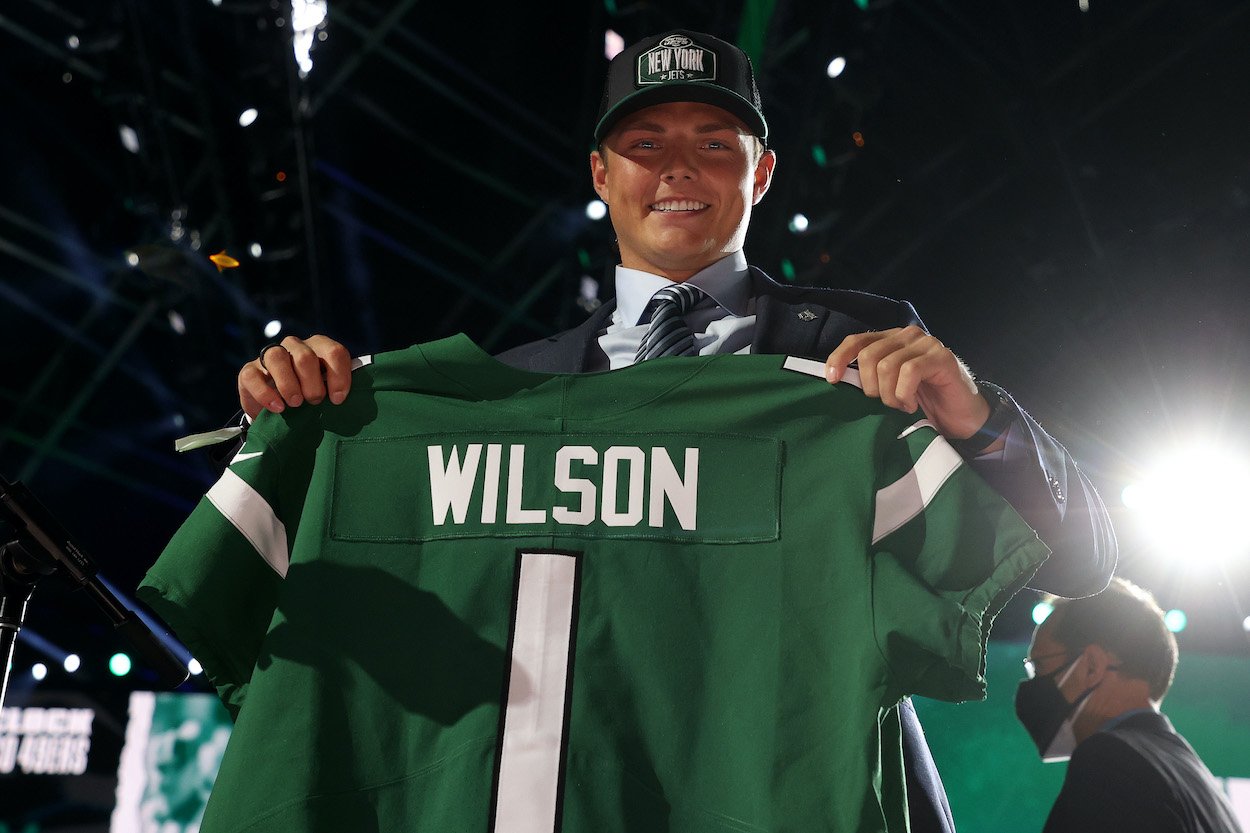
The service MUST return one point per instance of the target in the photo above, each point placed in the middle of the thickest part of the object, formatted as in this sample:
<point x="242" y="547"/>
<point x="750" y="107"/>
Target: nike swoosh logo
<point x="240" y="457"/>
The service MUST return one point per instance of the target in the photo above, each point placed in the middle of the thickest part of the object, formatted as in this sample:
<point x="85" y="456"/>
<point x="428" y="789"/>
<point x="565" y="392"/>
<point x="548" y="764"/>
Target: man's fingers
<point x="294" y="372"/>
<point x="847" y="352"/>
<point x="307" y="369"/>
<point x="256" y="391"/>
<point x="336" y="363"/>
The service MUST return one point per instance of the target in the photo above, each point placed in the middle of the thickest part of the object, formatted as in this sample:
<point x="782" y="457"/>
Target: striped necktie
<point x="668" y="334"/>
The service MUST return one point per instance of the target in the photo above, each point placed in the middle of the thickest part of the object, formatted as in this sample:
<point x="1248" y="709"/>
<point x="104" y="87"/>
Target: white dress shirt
<point x="723" y="322"/>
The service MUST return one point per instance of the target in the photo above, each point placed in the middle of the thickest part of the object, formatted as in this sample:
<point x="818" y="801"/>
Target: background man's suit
<point x="1037" y="476"/>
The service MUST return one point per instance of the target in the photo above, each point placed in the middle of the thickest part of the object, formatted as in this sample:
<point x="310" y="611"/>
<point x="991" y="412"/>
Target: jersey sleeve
<point x="218" y="580"/>
<point x="947" y="554"/>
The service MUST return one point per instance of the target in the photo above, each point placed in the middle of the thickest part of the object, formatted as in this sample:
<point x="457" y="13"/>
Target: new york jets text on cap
<point x="680" y="65"/>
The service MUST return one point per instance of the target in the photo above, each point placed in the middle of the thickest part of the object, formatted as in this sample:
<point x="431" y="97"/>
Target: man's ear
<point x="1093" y="665"/>
<point x="763" y="175"/>
<point x="599" y="175"/>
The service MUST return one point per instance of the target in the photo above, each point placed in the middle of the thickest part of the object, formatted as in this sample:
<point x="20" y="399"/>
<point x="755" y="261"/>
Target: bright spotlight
<point x="273" y="328"/>
<point x="194" y="667"/>
<point x="1192" y="502"/>
<point x="1176" y="620"/>
<point x="798" y="223"/>
<point x="836" y="67"/>
<point x="130" y="139"/>
<point x="73" y="42"/>
<point x="120" y="665"/>
<point x="39" y="671"/>
<point x="1040" y="611"/>
<point x="72" y="663"/>
<point x="596" y="209"/>
<point x="177" y="323"/>
<point x="248" y="116"/>
<point x="132" y="259"/>
<point x="255" y="250"/>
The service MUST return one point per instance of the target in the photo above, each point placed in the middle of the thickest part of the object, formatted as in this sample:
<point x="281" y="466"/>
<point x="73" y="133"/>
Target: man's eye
<point x="645" y="144"/>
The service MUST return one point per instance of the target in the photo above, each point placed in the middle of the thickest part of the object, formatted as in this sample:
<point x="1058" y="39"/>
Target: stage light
<point x="836" y="67"/>
<point x="613" y="44"/>
<point x="72" y="663"/>
<point x="248" y="116"/>
<point x="39" y="671"/>
<point x="73" y="42"/>
<point x="255" y="250"/>
<point x="1040" y="611"/>
<point x="787" y="269"/>
<point x="1191" y="502"/>
<point x="215" y="2"/>
<point x="306" y="17"/>
<point x="798" y="223"/>
<point x="194" y="667"/>
<point x="130" y="139"/>
<point x="132" y="258"/>
<point x="596" y="209"/>
<point x="1083" y="5"/>
<point x="120" y="665"/>
<point x="273" y="328"/>
<point x="176" y="322"/>
<point x="819" y="156"/>
<point x="1176" y="620"/>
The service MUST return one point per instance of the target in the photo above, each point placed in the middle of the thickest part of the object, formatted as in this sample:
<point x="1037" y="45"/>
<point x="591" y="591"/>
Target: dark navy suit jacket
<point x="1037" y="476"/>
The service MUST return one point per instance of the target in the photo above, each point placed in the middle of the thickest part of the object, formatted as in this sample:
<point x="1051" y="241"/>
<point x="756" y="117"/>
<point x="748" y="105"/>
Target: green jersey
<point x="686" y="595"/>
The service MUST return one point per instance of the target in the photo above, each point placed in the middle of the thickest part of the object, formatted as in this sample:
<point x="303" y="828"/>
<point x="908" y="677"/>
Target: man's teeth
<point x="678" y="205"/>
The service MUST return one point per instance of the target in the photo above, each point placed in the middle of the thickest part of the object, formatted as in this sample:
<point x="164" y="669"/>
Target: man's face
<point x="1049" y="656"/>
<point x="680" y="180"/>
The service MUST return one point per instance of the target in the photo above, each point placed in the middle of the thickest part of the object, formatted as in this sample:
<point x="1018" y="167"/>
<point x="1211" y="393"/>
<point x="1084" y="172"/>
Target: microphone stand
<point x="43" y="548"/>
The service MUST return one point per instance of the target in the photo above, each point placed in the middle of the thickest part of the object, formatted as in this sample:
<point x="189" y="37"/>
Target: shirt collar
<point x="1120" y="718"/>
<point x="727" y="281"/>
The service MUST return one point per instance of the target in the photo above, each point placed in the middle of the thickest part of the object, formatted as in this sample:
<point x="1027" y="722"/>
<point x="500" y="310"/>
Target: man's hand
<point x="908" y="369"/>
<point x="298" y="371"/>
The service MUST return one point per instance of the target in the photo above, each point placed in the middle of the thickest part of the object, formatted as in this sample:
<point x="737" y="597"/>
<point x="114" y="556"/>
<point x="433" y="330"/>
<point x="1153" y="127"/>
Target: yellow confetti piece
<point x="223" y="261"/>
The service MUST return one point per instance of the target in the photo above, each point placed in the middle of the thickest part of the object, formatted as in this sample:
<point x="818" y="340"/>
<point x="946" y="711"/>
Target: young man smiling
<point x="681" y="160"/>
<point x="680" y="180"/>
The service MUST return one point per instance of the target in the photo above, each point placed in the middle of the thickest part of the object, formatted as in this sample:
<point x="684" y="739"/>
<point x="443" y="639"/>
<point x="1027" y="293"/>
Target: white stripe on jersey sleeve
<point x="361" y="361"/>
<point x="252" y="515"/>
<point x="814" y="368"/>
<point x="908" y="496"/>
<point x="916" y="426"/>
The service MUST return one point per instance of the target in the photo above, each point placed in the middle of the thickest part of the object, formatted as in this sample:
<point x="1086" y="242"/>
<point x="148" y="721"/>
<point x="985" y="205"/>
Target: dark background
<point x="1063" y="194"/>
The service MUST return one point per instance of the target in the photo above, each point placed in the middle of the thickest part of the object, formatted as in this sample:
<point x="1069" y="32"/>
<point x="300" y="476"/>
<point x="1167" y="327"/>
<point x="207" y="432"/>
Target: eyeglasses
<point x="1030" y="663"/>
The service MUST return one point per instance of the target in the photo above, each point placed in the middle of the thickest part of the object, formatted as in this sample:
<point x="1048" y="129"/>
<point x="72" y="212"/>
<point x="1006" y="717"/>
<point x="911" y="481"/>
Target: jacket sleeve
<point x="1039" y="478"/>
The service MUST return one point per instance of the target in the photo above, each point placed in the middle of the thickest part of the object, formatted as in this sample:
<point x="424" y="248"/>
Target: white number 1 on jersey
<point x="529" y="780"/>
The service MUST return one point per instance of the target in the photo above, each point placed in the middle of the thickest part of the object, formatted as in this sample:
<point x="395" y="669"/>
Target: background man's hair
<point x="1127" y="621"/>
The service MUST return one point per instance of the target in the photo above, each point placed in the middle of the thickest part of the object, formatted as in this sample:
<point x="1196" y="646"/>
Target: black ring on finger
<point x="260" y="357"/>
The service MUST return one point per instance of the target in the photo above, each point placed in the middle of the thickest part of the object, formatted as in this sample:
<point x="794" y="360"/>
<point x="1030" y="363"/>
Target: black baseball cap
<point x="679" y="65"/>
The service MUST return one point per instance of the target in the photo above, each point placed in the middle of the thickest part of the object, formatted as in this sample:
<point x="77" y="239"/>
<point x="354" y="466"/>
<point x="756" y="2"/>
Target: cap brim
<point x="698" y="91"/>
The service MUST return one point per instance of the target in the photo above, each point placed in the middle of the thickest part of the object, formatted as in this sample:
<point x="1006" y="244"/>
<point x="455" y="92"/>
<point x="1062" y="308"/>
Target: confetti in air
<point x="223" y="261"/>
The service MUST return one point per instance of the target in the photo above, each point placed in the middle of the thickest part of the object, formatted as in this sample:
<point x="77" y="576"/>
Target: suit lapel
<point x="566" y="352"/>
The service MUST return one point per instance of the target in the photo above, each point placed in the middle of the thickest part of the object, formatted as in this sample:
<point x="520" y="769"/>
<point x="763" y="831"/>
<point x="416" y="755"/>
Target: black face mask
<point x="1047" y="716"/>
